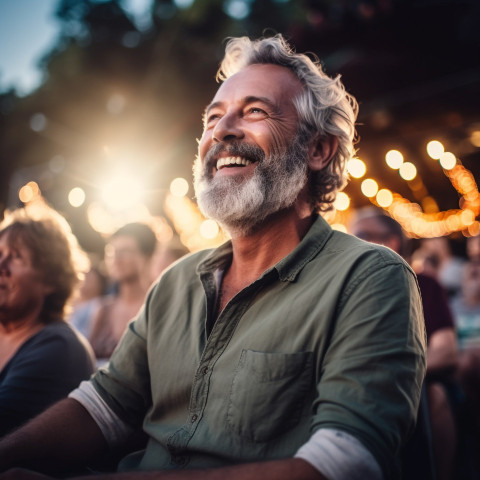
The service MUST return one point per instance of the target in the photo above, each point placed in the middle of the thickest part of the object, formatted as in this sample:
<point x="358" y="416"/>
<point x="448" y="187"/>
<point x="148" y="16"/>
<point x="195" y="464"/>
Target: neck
<point x="133" y="290"/>
<point x="18" y="330"/>
<point x="275" y="239"/>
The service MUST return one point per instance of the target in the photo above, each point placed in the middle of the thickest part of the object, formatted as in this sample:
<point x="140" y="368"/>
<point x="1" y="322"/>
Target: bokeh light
<point x="394" y="159"/>
<point x="447" y="160"/>
<point x="342" y="202"/>
<point x="467" y="217"/>
<point x="179" y="187"/>
<point x="76" y="197"/>
<point x="435" y="149"/>
<point x="356" y="168"/>
<point x="28" y="192"/>
<point x="122" y="191"/>
<point x="408" y="171"/>
<point x="339" y="226"/>
<point x="209" y="229"/>
<point x="384" y="197"/>
<point x="38" y="122"/>
<point x="369" y="187"/>
<point x="475" y="138"/>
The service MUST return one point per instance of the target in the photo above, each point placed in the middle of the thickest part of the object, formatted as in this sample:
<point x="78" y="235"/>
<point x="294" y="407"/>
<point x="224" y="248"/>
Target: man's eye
<point x="212" y="118"/>
<point x="257" y="110"/>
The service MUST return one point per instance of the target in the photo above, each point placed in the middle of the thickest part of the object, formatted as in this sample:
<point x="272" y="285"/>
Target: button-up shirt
<point x="332" y="336"/>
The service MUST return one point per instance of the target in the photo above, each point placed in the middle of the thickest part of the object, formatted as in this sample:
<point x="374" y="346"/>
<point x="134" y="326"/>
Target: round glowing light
<point x="339" y="226"/>
<point x="467" y="217"/>
<point x="447" y="160"/>
<point x="76" y="197"/>
<point x="369" y="187"/>
<point x="38" y="122"/>
<point x="384" y="197"/>
<point x="342" y="202"/>
<point x="475" y="138"/>
<point x="179" y="187"/>
<point x="474" y="229"/>
<point x="435" y="149"/>
<point x="116" y="104"/>
<point x="209" y="229"/>
<point x="356" y="168"/>
<point x="408" y="171"/>
<point x="122" y="192"/>
<point x="394" y="159"/>
<point x="26" y="194"/>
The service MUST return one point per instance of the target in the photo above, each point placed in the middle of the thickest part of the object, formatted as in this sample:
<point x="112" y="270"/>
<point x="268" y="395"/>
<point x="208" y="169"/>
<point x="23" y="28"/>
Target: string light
<point x="447" y="160"/>
<point x="384" y="197"/>
<point x="342" y="202"/>
<point x="407" y="171"/>
<point x="435" y="149"/>
<point x="369" y="187"/>
<point x="429" y="221"/>
<point x="394" y="159"/>
<point x="356" y="168"/>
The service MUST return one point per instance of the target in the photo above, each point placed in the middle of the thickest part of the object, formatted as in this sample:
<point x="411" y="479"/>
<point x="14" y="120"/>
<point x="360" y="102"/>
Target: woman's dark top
<point x="45" y="369"/>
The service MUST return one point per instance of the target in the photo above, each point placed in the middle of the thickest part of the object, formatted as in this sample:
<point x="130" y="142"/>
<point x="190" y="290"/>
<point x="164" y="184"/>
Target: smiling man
<point x="290" y="352"/>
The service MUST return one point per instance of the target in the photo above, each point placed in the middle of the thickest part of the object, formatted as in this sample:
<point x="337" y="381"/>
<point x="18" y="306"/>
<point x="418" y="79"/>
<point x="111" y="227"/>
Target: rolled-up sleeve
<point x="375" y="364"/>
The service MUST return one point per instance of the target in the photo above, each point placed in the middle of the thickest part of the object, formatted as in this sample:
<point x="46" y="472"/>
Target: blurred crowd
<point x="62" y="313"/>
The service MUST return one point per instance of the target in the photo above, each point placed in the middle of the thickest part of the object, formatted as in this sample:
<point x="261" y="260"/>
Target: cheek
<point x="204" y="144"/>
<point x="281" y="135"/>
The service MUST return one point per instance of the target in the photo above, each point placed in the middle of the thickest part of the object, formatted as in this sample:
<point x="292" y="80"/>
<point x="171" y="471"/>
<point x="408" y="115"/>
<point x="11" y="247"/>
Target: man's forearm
<point x="288" y="469"/>
<point x="63" y="436"/>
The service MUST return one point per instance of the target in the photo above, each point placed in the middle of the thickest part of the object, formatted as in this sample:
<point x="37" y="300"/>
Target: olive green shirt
<point x="332" y="336"/>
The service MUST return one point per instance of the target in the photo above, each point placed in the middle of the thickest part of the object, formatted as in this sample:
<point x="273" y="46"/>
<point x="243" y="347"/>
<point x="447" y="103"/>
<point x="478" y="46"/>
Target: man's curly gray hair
<point x="324" y="107"/>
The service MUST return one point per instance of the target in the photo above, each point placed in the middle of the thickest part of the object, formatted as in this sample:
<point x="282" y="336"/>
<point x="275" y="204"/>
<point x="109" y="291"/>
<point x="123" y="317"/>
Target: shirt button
<point x="194" y="417"/>
<point x="204" y="370"/>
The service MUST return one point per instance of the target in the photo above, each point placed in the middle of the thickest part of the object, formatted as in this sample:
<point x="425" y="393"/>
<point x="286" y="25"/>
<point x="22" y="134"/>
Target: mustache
<point x="234" y="149"/>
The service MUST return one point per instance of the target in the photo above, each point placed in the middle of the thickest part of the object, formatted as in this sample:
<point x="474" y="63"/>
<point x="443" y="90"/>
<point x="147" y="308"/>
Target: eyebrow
<point x="247" y="100"/>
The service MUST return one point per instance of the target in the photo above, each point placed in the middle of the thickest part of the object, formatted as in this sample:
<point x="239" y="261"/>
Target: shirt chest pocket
<point x="268" y="392"/>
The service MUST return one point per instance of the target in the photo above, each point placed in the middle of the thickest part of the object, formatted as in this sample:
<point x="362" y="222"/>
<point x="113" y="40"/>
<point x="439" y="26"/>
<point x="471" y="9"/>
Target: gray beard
<point x="240" y="205"/>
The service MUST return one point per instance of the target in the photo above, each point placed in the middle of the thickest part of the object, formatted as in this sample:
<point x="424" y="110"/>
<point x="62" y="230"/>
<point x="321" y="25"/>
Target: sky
<point x="28" y="30"/>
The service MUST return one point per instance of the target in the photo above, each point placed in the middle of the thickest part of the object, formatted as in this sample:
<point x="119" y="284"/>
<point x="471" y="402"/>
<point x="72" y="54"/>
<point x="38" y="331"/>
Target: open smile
<point x="232" y="162"/>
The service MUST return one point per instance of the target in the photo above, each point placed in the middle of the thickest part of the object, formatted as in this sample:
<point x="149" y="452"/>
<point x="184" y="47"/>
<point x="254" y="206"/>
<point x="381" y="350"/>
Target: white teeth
<point x="222" y="162"/>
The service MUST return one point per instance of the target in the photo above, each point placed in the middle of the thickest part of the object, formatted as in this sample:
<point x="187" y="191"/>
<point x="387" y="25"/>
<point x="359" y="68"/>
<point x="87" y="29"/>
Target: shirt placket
<point x="222" y="331"/>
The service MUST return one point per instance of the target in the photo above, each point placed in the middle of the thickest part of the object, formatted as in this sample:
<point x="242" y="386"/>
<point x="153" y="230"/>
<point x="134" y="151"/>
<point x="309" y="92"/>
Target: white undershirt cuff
<point x="115" y="430"/>
<point x="339" y="456"/>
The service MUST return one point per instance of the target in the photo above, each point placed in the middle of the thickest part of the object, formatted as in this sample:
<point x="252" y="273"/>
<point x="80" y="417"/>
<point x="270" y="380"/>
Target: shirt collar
<point x="290" y="266"/>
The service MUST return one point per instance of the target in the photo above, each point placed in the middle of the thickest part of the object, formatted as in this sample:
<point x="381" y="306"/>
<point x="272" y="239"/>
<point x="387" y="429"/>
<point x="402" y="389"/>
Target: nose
<point x="228" y="128"/>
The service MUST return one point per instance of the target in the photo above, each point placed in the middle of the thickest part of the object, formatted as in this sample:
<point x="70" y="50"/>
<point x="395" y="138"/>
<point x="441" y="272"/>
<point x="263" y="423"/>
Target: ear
<point x="321" y="151"/>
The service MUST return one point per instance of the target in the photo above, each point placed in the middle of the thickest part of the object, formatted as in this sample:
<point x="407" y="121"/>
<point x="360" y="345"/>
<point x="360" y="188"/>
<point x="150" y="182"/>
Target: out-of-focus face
<point x="371" y="230"/>
<point x="471" y="281"/>
<point x="124" y="260"/>
<point x="22" y="290"/>
<point x="473" y="248"/>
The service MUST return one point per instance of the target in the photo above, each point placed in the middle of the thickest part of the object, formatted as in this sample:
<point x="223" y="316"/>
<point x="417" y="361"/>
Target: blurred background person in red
<point x="128" y="256"/>
<point x="41" y="357"/>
